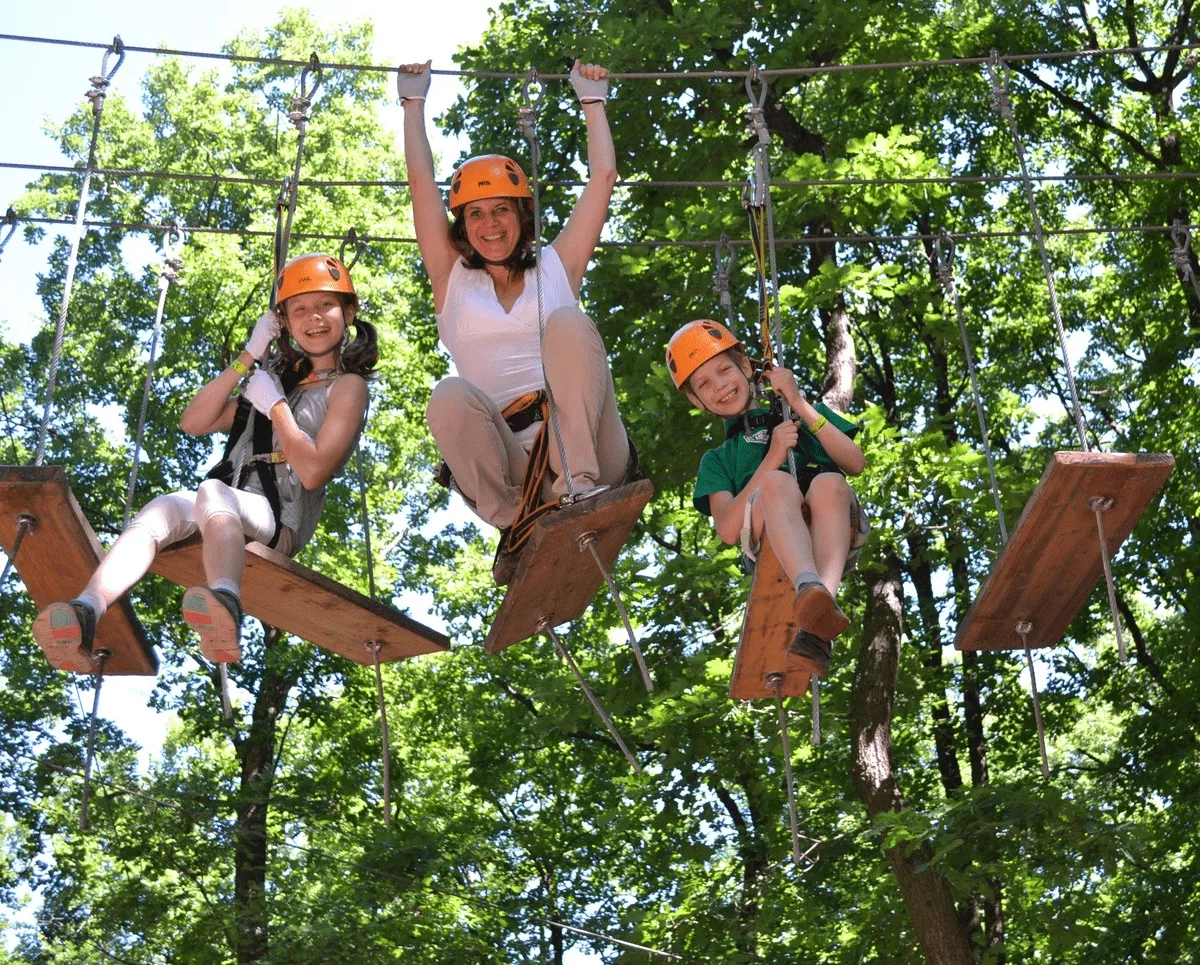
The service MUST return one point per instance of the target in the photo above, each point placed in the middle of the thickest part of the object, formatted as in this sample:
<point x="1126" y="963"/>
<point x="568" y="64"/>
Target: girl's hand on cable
<point x="412" y="81"/>
<point x="784" y="384"/>
<point x="266" y="330"/>
<point x="783" y="439"/>
<point x="590" y="82"/>
<point x="263" y="391"/>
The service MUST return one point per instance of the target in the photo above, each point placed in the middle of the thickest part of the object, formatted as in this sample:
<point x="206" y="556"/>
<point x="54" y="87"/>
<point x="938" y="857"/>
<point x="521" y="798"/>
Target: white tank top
<point x="497" y="351"/>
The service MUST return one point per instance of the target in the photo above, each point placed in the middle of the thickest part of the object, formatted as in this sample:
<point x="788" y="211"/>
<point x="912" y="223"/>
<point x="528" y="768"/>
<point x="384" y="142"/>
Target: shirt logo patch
<point x="761" y="437"/>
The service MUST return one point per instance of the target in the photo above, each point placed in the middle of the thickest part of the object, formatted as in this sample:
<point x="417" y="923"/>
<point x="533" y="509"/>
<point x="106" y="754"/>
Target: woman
<point x="481" y="265"/>
<point x="275" y="498"/>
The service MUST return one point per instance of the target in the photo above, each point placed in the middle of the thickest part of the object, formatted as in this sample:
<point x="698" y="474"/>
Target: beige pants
<point x="487" y="462"/>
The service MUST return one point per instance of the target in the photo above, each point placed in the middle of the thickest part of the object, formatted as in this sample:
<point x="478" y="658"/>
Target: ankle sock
<point x="229" y="586"/>
<point x="808" y="576"/>
<point x="95" y="603"/>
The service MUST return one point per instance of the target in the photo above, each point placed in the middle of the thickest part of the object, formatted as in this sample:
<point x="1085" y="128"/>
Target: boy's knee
<point x="780" y="485"/>
<point x="829" y="487"/>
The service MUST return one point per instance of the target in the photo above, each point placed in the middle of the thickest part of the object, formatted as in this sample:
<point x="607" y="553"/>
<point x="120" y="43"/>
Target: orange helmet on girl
<point x="314" y="273"/>
<point x="487" y="176"/>
<point x="694" y="344"/>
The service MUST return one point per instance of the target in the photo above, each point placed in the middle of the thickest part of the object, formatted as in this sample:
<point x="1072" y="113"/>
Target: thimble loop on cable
<point x="9" y="221"/>
<point x="723" y="260"/>
<point x="173" y="242"/>
<point x="1181" y="234"/>
<point x="1000" y="73"/>
<point x="754" y="113"/>
<point x="754" y="75"/>
<point x="943" y="253"/>
<point x="301" y="103"/>
<point x="100" y="82"/>
<point x="350" y="241"/>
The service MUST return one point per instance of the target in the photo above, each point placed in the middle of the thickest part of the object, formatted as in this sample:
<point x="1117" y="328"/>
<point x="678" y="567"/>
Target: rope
<point x="588" y="541"/>
<point x="10" y="220"/>
<point x="546" y="625"/>
<point x="736" y="242"/>
<point x="1000" y="73"/>
<point x="99" y="659"/>
<point x="26" y="523"/>
<point x="168" y="273"/>
<point x="946" y="179"/>
<point x="944" y="265"/>
<point x="528" y="123"/>
<point x="816" y="70"/>
<point x="373" y="647"/>
<point x="366" y="519"/>
<point x="357" y="866"/>
<point x="299" y="118"/>
<point x="96" y="95"/>
<point x="1023" y="628"/>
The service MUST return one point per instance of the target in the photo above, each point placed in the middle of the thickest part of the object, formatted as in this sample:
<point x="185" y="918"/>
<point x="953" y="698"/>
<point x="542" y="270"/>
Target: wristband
<point x="818" y="425"/>
<point x="240" y="367"/>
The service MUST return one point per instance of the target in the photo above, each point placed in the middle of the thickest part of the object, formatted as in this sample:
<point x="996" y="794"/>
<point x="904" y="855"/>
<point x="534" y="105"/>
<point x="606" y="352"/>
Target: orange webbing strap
<point x="531" y="508"/>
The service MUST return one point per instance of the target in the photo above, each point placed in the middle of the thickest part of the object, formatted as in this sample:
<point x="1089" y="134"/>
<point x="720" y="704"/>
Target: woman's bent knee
<point x="447" y="404"/>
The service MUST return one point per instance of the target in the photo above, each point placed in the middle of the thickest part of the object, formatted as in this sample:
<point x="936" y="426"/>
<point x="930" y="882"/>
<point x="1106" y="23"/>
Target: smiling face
<point x="722" y="385"/>
<point x="493" y="227"/>
<point x="317" y="321"/>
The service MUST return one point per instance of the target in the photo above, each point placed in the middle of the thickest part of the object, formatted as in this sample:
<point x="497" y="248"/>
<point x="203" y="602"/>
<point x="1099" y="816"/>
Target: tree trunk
<point x="256" y="753"/>
<point x="872" y="703"/>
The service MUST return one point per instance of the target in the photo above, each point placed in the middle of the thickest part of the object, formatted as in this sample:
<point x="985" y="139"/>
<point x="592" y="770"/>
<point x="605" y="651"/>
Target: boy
<point x="814" y="522"/>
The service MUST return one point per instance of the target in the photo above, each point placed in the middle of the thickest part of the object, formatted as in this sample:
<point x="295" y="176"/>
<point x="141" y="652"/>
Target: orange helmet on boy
<point x="694" y="344"/>
<point x="314" y="273"/>
<point x="487" y="176"/>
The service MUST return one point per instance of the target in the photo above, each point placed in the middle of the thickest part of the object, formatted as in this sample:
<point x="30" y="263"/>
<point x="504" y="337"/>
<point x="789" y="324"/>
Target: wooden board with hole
<point x="58" y="557"/>
<point x="282" y="593"/>
<point x="767" y="629"/>
<point x="556" y="579"/>
<point x="1051" y="562"/>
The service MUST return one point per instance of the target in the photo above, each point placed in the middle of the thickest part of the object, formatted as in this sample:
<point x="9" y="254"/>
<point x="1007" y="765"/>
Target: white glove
<point x="412" y="81"/>
<point x="266" y="330"/>
<point x="263" y="391"/>
<point x="587" y="90"/>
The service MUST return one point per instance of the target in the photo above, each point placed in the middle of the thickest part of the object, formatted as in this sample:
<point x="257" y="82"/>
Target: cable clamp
<point x="943" y="253"/>
<point x="1000" y="74"/>
<point x="1181" y="253"/>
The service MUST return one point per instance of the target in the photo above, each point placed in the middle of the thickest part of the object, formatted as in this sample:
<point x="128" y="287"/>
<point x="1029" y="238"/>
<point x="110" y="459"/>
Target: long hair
<point x="358" y="356"/>
<point x="522" y="257"/>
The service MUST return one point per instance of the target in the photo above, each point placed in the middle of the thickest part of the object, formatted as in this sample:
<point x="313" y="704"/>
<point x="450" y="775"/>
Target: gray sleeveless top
<point x="300" y="508"/>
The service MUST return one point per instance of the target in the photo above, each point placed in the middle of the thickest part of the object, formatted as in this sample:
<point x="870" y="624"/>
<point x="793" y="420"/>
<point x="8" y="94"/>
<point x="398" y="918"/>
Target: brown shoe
<point x="816" y="611"/>
<point x="814" y="651"/>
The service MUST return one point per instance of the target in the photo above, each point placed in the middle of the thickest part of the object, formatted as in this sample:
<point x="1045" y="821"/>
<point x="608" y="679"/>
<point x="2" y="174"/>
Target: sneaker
<point x="66" y="632"/>
<point x="814" y="651"/>
<point x="216" y="615"/>
<point x="816" y="611"/>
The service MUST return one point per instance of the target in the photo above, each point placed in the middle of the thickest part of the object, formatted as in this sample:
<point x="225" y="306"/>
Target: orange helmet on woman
<point x="695" y="344"/>
<point x="314" y="273"/>
<point x="487" y="176"/>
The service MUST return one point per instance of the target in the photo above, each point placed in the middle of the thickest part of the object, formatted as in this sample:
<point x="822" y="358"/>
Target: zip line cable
<point x="932" y="179"/>
<point x="358" y="866"/>
<point x="734" y="242"/>
<point x="1055" y="55"/>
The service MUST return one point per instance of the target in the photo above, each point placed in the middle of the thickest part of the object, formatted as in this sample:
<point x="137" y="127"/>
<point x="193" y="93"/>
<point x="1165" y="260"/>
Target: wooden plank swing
<point x="557" y="578"/>
<point x="1053" y="558"/>
<point x="58" y="555"/>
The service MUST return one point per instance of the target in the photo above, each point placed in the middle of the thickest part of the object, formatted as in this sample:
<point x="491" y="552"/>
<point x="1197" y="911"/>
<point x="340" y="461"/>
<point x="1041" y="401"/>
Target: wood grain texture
<point x="59" y="556"/>
<point x="557" y="581"/>
<point x="1051" y="562"/>
<point x="282" y="593"/>
<point x="767" y="629"/>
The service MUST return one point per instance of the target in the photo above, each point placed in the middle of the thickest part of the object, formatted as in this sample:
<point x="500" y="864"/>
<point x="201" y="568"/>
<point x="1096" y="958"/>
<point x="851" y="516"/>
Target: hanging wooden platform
<point x="1051" y="562"/>
<point x="58" y="557"/>
<point x="767" y="629"/>
<point x="555" y="579"/>
<point x="282" y="593"/>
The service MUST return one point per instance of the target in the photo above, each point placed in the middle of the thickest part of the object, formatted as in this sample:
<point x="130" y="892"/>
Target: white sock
<point x="98" y="606"/>
<point x="229" y="586"/>
<point x="808" y="576"/>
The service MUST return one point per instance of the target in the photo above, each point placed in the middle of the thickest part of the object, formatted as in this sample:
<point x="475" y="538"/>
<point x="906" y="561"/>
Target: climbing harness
<point x="96" y="95"/>
<point x="1000" y="74"/>
<point x="167" y="274"/>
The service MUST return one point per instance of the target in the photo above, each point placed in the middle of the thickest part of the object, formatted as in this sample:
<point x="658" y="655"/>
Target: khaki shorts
<point x="860" y="529"/>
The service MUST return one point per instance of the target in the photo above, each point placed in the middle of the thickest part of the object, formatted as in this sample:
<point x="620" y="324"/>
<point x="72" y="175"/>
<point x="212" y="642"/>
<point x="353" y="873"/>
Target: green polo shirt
<point x="727" y="468"/>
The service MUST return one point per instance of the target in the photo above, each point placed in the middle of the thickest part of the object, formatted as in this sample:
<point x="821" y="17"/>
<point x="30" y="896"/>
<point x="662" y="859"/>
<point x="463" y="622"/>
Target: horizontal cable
<point x="349" y="862"/>
<point x="738" y="243"/>
<point x="804" y="183"/>
<point x="1056" y="55"/>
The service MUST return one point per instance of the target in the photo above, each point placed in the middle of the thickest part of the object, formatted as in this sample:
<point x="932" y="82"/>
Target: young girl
<point x="746" y="486"/>
<point x="274" y="498"/>
<point x="482" y="269"/>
